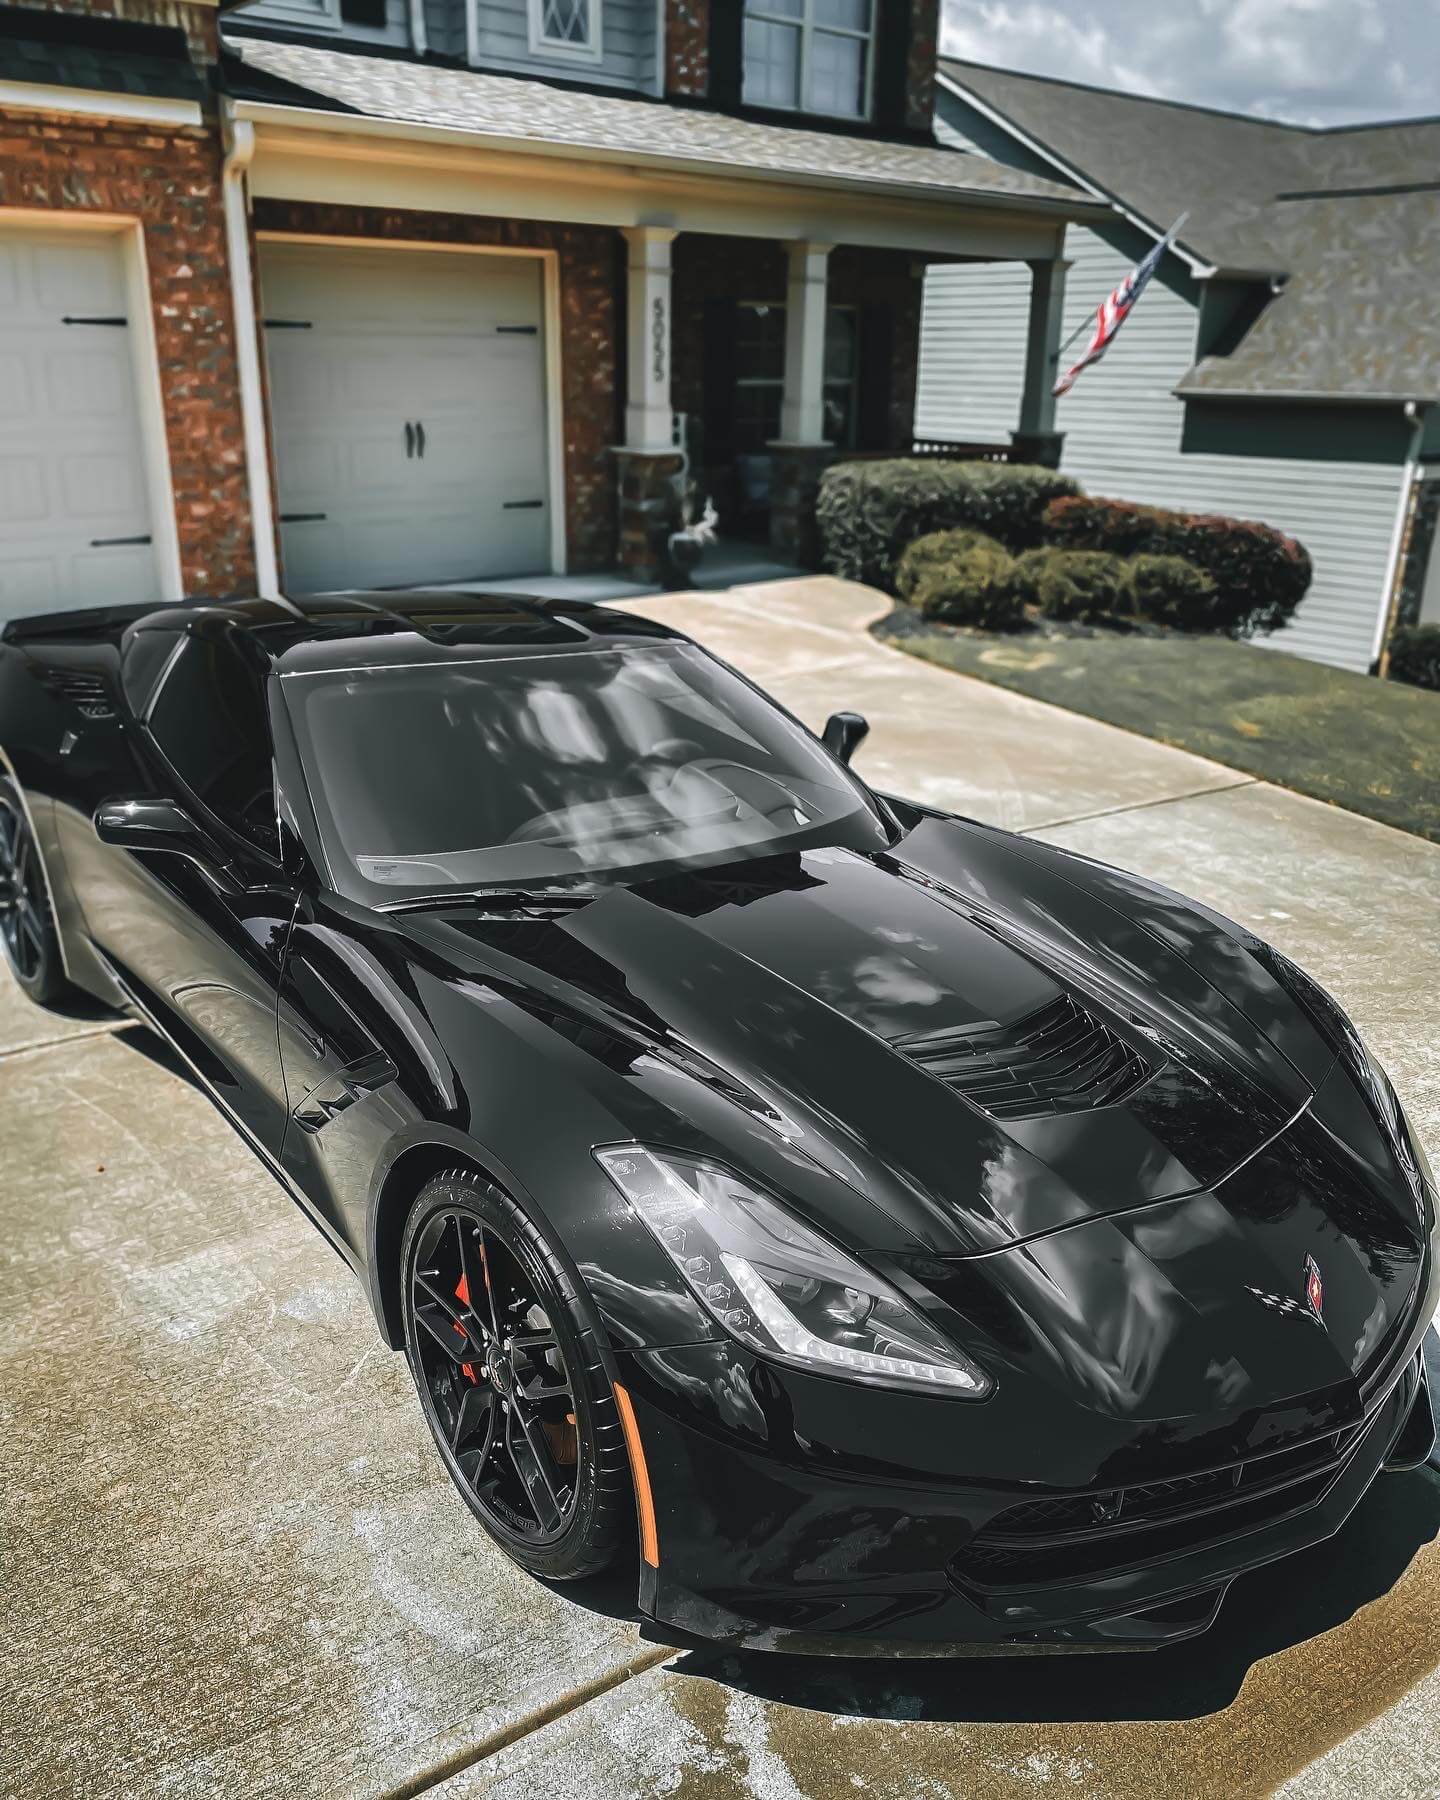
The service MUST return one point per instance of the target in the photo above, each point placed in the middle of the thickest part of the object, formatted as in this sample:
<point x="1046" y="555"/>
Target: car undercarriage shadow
<point x="146" y="1043"/>
<point x="1269" y="1610"/>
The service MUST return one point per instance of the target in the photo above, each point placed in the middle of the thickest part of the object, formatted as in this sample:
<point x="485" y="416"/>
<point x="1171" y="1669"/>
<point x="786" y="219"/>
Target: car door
<point x="196" y="932"/>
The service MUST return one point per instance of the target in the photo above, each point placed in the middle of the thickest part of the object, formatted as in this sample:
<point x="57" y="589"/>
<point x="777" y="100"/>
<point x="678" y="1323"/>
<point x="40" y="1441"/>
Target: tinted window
<point x="210" y="722"/>
<point x="533" y="769"/>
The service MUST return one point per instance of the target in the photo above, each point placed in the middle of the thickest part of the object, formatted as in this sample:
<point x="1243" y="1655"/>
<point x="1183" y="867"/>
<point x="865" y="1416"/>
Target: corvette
<point x="893" y="1233"/>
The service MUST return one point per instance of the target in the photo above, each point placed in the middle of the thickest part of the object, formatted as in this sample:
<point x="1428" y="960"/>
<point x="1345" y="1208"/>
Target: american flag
<point x="1115" y="310"/>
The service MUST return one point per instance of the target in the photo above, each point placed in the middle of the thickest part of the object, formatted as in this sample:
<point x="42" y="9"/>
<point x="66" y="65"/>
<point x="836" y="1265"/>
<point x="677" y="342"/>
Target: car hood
<point x="845" y="992"/>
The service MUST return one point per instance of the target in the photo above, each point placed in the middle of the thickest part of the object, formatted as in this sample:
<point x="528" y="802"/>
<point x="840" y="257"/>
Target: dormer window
<point x="810" y="56"/>
<point x="569" y="28"/>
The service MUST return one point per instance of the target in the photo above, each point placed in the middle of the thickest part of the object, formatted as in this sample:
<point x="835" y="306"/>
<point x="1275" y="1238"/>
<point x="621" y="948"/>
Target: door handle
<point x="409" y="440"/>
<point x="420" y="437"/>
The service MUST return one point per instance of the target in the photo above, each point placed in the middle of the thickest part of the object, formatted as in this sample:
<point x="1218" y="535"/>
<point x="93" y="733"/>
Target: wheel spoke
<point x="476" y="1278"/>
<point x="530" y="1463"/>
<point x="448" y="1333"/>
<point x="477" y="1404"/>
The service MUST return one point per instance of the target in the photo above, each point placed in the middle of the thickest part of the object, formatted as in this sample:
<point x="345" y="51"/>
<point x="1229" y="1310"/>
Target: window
<point x="209" y="720"/>
<point x="760" y="374"/>
<point x="809" y="55"/>
<point x="566" y="28"/>
<point x="369" y="14"/>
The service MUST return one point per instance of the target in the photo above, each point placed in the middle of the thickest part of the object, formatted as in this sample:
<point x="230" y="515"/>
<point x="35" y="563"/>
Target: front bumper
<point x="829" y="1547"/>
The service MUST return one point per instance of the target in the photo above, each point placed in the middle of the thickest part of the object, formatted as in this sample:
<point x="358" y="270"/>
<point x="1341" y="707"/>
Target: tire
<point x="27" y="924"/>
<point x="530" y="1434"/>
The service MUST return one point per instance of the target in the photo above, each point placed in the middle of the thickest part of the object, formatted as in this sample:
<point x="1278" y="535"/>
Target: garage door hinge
<point x="517" y="330"/>
<point x="68" y="319"/>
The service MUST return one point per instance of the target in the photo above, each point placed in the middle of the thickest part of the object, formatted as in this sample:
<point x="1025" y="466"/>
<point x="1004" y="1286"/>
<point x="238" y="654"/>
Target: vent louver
<point x="87" y="693"/>
<point x="1058" y="1059"/>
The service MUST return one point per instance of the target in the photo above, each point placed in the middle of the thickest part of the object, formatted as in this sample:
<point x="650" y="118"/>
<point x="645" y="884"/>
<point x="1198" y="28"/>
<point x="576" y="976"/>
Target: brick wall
<point x="920" y="73"/>
<point x="590" y="275"/>
<point x="687" y="46"/>
<point x="169" y="179"/>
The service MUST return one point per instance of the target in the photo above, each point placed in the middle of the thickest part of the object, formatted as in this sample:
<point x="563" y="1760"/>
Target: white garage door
<point x="74" y="511"/>
<point x="408" y="399"/>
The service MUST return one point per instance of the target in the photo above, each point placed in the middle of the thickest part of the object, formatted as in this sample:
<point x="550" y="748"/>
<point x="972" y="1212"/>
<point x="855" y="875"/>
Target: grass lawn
<point x="1371" y="746"/>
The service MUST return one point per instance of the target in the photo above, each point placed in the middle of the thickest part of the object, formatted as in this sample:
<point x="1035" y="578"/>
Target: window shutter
<point x="892" y="62"/>
<point x="877" y="357"/>
<point x="727" y="39"/>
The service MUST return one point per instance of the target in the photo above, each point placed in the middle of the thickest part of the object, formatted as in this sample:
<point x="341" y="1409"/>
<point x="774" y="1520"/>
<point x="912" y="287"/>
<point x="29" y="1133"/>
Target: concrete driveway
<point x="232" y="1567"/>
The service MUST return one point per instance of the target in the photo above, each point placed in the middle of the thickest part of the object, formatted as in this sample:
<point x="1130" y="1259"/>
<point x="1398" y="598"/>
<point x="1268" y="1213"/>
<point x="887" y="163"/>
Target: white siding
<point x="315" y="16"/>
<point x="1123" y="424"/>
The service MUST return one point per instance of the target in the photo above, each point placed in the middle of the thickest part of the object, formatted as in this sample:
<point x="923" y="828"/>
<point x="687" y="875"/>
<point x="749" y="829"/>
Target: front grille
<point x="1058" y="1059"/>
<point x="1063" y="1537"/>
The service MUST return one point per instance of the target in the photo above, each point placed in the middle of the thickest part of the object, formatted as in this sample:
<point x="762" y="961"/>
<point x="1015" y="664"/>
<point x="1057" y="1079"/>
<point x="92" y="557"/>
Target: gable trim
<point x="1201" y="269"/>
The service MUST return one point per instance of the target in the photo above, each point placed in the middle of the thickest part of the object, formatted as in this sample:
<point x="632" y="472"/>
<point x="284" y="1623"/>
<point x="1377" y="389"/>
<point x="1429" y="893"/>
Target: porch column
<point x="1037" y="440"/>
<point x="801" y="454"/>
<point x="650" y="462"/>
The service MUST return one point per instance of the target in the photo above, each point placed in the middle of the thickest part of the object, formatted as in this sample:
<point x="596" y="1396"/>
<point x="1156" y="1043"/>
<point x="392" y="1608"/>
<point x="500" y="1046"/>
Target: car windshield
<point x="556" y="768"/>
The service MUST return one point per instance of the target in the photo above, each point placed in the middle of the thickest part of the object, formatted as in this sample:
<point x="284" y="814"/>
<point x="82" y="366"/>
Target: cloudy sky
<point x="1316" y="62"/>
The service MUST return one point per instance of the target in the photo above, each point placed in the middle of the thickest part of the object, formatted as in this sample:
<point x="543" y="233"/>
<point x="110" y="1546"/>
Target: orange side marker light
<point x="644" y="1500"/>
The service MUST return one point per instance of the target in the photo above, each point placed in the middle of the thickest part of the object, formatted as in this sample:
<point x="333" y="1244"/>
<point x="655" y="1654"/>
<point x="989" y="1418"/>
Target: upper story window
<point x="810" y="55"/>
<point x="569" y="28"/>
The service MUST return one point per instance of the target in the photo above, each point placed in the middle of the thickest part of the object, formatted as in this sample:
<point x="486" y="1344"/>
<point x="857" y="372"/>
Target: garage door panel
<point x="72" y="463"/>
<point x="396" y="338"/>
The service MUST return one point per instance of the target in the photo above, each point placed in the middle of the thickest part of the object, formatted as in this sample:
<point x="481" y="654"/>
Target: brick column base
<point x="649" y="490"/>
<point x="1041" y="447"/>
<point x="794" y="485"/>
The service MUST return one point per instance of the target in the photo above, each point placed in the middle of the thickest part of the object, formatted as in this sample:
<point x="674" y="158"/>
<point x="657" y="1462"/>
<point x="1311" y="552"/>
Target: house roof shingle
<point x="516" y="109"/>
<point x="1349" y="217"/>
<point x="100" y="55"/>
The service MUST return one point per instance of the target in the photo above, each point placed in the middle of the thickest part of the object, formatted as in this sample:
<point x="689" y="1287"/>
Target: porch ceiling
<point x="561" y="154"/>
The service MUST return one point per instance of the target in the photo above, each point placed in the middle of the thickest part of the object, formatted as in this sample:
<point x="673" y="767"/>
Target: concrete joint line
<point x="1110" y="812"/>
<point x="472" y="1754"/>
<point x="74" y="1037"/>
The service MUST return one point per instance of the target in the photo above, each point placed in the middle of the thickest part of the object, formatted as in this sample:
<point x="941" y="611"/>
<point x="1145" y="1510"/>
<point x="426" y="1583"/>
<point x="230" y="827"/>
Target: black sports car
<point x="916" y="1234"/>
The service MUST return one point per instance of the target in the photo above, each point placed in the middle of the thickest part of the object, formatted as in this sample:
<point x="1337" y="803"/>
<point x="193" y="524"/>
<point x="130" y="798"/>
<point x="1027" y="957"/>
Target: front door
<point x="408" y="397"/>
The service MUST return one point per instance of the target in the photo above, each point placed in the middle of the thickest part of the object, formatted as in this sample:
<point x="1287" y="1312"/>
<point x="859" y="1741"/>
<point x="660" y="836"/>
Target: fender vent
<point x="1058" y="1059"/>
<point x="86" y="692"/>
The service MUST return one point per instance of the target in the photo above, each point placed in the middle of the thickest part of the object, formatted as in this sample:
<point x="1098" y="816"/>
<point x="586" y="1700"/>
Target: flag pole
<point x="1087" y="323"/>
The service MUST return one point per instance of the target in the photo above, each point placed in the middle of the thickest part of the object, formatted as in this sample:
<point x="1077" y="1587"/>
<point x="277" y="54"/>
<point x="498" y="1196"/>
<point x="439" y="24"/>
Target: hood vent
<point x="1058" y="1059"/>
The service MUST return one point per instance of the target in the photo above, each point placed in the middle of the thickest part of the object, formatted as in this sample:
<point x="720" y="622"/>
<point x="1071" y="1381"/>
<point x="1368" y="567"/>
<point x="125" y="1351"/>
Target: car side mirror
<point x="844" y="733"/>
<point x="147" y="825"/>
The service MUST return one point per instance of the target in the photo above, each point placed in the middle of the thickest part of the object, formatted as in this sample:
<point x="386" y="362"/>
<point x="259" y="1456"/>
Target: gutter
<point x="87" y="103"/>
<point x="1390" y="594"/>
<point x="369" y="125"/>
<point x="240" y="149"/>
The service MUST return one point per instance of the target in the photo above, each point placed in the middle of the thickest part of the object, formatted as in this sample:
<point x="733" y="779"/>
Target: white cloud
<point x="1314" y="61"/>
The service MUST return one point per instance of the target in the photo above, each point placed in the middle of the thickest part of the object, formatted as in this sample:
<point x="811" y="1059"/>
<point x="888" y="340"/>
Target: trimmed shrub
<point x="1260" y="575"/>
<point x="964" y="578"/>
<point x="868" y="512"/>
<point x="1173" y="592"/>
<point x="1415" y="655"/>
<point x="1075" y="584"/>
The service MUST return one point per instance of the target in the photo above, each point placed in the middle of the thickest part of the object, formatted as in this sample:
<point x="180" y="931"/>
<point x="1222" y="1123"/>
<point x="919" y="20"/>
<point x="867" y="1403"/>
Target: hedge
<point x="1173" y="592"/>
<point x="963" y="577"/>
<point x="1260" y="575"/>
<point x="868" y="512"/>
<point x="1415" y="655"/>
<point x="1075" y="584"/>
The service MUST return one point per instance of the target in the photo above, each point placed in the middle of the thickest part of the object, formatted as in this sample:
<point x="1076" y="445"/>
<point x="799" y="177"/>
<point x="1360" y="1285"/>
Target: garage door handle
<point x="301" y="518"/>
<point x="521" y="505"/>
<point x="110" y="543"/>
<point x="409" y="440"/>
<point x="420" y="438"/>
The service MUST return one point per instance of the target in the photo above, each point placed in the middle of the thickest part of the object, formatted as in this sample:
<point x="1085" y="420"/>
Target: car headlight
<point x="779" y="1287"/>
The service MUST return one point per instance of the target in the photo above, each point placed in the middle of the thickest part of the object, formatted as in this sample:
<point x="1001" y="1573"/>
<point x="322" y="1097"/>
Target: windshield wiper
<point x="507" y="899"/>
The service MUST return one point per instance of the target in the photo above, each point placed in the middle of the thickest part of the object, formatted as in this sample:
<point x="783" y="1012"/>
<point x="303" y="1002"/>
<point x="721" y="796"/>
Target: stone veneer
<point x="591" y="277"/>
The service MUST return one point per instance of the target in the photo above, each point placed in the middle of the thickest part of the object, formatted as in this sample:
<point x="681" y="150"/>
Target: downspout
<point x="1385" y="624"/>
<point x="419" y="38"/>
<point x="240" y="150"/>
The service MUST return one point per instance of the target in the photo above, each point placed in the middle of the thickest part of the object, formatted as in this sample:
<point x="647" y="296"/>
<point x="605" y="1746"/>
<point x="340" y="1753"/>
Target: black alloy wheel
<point x="510" y="1380"/>
<point x="27" y="930"/>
